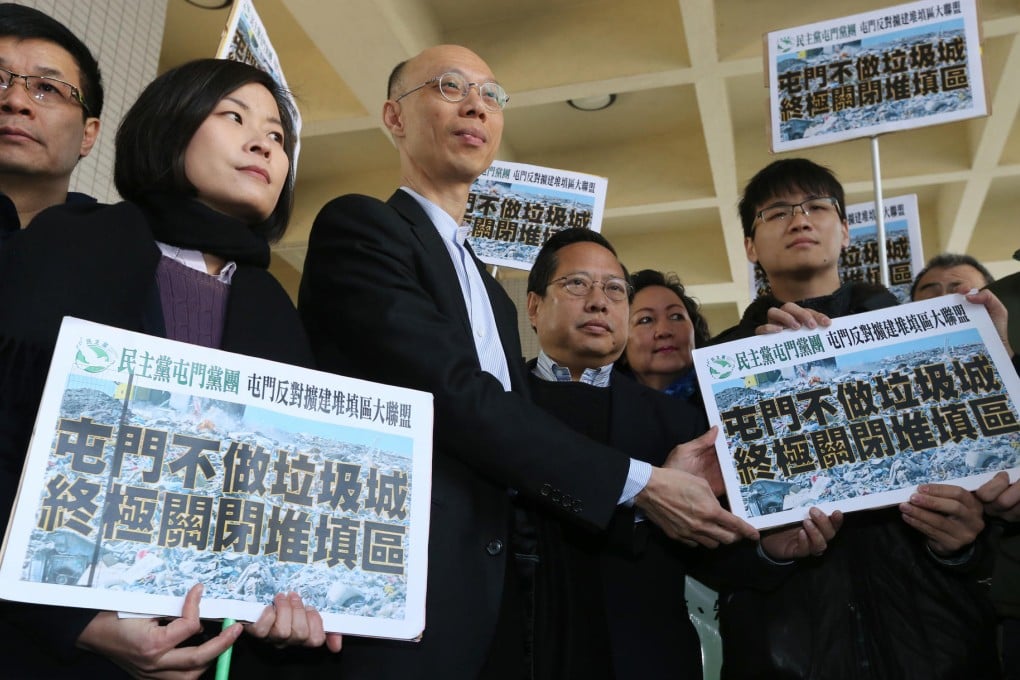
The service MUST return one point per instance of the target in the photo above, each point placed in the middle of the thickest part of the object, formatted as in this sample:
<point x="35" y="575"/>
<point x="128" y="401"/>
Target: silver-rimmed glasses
<point x="782" y="213"/>
<point x="44" y="89"/>
<point x="455" y="88"/>
<point x="581" y="285"/>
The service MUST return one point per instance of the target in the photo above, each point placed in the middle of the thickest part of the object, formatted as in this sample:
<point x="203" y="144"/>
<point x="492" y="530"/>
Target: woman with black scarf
<point x="203" y="161"/>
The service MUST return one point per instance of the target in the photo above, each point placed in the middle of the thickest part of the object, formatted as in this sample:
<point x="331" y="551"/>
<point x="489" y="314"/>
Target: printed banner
<point x="859" y="261"/>
<point x="514" y="208"/>
<point x="892" y="69"/>
<point x="245" y="39"/>
<point x="156" y="465"/>
<point x="856" y="415"/>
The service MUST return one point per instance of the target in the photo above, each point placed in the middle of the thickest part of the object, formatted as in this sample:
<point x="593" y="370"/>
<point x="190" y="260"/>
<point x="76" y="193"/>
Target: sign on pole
<point x="859" y="76"/>
<point x="514" y="208"/>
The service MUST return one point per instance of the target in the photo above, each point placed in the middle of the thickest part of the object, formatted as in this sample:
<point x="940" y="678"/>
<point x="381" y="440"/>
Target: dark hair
<point x="651" y="277"/>
<point x="788" y="176"/>
<point x="156" y="131"/>
<point x="947" y="260"/>
<point x="546" y="261"/>
<point x="27" y="23"/>
<point x="394" y="79"/>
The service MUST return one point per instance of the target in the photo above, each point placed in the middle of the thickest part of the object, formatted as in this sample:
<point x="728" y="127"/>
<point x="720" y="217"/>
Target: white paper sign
<point x="856" y="415"/>
<point x="156" y="465"/>
<point x="892" y="69"/>
<point x="514" y="208"/>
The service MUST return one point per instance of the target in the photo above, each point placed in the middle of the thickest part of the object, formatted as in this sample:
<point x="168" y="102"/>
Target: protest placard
<point x="514" y="208"/>
<point x="155" y="465"/>
<point x="858" y="76"/>
<point x="857" y="415"/>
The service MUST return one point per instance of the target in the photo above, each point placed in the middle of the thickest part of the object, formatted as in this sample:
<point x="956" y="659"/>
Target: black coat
<point x="381" y="300"/>
<point x="10" y="222"/>
<point x="635" y="572"/>
<point x="850" y="298"/>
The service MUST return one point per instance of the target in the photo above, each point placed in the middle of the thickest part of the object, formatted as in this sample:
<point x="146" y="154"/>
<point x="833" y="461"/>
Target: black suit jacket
<point x="640" y="569"/>
<point x="381" y="301"/>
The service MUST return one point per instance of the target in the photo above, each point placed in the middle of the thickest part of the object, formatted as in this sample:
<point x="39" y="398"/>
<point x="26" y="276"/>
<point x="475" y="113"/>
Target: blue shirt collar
<point x="445" y="224"/>
<point x="547" y="369"/>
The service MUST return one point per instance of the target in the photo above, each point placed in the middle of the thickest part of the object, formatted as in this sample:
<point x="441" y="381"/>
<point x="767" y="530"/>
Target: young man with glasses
<point x="795" y="228"/>
<point x="50" y="101"/>
<point x="392" y="293"/>
<point x="895" y="594"/>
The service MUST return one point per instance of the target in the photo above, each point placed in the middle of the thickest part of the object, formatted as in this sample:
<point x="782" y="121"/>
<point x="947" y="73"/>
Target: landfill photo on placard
<point x="511" y="222"/>
<point x="926" y="411"/>
<point x="909" y="74"/>
<point x="169" y="489"/>
<point x="859" y="261"/>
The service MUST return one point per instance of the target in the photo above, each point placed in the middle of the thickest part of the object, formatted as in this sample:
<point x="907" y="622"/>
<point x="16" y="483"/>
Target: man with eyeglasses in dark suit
<point x="391" y="293"/>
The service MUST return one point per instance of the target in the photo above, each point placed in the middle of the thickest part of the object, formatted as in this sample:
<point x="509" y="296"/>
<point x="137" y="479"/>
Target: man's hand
<point x="811" y="537"/>
<point x="685" y="507"/>
<point x="998" y="313"/>
<point x="288" y="622"/>
<point x="697" y="457"/>
<point x="1000" y="498"/>
<point x="792" y="316"/>
<point x="950" y="516"/>
<point x="147" y="649"/>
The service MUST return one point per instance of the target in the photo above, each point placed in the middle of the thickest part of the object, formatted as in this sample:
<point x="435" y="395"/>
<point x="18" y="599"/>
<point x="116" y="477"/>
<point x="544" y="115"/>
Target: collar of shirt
<point x="444" y="222"/>
<point x="9" y="220"/>
<point x="194" y="260"/>
<point x="685" y="386"/>
<point x="481" y="319"/>
<point x="78" y="198"/>
<point x="547" y="369"/>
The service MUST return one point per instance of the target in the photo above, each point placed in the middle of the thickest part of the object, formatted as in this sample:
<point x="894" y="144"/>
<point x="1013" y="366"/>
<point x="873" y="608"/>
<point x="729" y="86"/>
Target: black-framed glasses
<point x="455" y="88"/>
<point x="782" y="213"/>
<point x="44" y="89"/>
<point x="615" y="288"/>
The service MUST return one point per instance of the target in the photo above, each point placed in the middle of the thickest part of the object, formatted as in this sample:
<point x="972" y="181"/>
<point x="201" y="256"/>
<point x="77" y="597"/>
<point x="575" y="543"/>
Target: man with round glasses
<point x="392" y="293"/>
<point x="50" y="101"/>
<point x="454" y="88"/>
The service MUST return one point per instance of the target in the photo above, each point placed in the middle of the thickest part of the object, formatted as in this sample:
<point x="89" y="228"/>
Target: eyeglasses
<point x="616" y="289"/>
<point x="782" y="213"/>
<point x="45" y="90"/>
<point x="455" y="88"/>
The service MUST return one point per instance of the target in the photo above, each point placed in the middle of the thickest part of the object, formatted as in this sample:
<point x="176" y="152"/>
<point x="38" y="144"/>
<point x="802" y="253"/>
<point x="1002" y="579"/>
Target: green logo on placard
<point x="94" y="356"/>
<point x="720" y="367"/>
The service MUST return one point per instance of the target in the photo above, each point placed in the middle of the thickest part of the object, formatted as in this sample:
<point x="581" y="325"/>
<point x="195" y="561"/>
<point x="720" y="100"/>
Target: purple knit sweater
<point x="194" y="303"/>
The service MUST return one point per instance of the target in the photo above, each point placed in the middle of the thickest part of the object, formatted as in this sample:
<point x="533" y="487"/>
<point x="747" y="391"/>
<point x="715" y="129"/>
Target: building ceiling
<point x="687" y="130"/>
